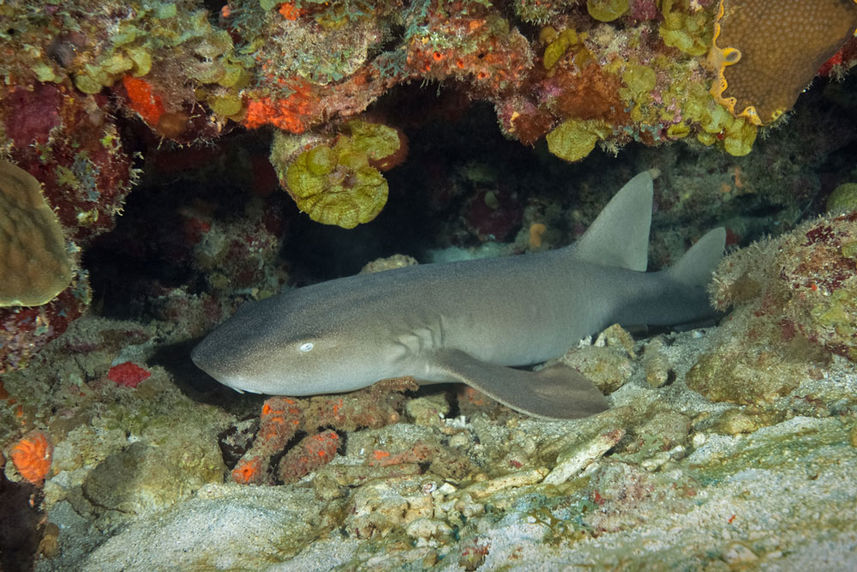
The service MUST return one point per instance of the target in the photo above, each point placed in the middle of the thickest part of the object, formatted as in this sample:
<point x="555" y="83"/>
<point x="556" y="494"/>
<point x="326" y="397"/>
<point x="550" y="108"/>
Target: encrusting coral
<point x="766" y="53"/>
<point x="33" y="259"/>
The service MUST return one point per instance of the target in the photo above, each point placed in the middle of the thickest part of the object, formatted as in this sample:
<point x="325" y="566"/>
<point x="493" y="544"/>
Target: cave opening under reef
<point x="462" y="185"/>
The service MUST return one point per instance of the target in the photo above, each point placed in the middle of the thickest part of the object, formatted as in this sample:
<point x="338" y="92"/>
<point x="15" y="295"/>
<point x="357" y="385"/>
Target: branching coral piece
<point x="766" y="52"/>
<point x="34" y="264"/>
<point x="283" y="417"/>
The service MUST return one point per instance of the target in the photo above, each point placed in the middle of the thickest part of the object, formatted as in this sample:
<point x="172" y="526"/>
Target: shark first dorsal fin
<point x="619" y="236"/>
<point x="557" y="392"/>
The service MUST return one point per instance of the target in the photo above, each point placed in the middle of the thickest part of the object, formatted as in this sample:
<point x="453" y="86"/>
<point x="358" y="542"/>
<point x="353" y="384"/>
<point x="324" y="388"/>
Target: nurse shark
<point x="469" y="321"/>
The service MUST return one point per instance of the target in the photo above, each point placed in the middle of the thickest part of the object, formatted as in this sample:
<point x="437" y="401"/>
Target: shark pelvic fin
<point x="619" y="236"/>
<point x="557" y="392"/>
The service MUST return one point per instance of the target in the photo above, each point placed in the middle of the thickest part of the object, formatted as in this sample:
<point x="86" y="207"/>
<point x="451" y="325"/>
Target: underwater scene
<point x="428" y="285"/>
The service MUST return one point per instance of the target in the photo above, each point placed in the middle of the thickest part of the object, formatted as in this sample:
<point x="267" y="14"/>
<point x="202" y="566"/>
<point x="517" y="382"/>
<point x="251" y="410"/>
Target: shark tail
<point x="697" y="264"/>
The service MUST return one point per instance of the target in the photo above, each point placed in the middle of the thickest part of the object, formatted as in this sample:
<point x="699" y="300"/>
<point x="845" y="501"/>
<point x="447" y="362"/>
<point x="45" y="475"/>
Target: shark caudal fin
<point x="697" y="264"/>
<point x="619" y="236"/>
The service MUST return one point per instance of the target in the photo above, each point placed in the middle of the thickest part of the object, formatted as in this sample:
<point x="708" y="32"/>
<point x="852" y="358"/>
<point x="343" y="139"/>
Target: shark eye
<point x="305" y="347"/>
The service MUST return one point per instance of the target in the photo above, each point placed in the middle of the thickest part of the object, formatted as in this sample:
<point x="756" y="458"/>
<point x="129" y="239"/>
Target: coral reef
<point x="731" y="446"/>
<point x="69" y="144"/>
<point x="25" y="330"/>
<point x="794" y="306"/>
<point x="582" y="74"/>
<point x="486" y="490"/>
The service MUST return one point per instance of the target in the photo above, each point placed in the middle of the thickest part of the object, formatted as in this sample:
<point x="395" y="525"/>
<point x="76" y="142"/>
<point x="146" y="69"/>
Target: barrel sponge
<point x="766" y="53"/>
<point x="34" y="264"/>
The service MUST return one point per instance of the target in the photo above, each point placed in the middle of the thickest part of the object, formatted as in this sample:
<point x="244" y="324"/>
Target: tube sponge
<point x="34" y="264"/>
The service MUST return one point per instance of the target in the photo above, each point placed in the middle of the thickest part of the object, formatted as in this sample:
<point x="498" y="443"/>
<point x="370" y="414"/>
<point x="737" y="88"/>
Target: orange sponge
<point x="766" y="52"/>
<point x="32" y="457"/>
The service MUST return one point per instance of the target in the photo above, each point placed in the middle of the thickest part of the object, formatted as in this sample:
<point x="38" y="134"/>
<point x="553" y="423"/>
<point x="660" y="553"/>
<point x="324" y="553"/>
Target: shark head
<point x="294" y="345"/>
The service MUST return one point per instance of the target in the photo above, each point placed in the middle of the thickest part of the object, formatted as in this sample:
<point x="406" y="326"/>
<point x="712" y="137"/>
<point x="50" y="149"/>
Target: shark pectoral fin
<point x="557" y="392"/>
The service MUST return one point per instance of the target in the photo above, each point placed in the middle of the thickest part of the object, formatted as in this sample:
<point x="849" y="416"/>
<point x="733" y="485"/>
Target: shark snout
<point x="210" y="360"/>
<point x="214" y="361"/>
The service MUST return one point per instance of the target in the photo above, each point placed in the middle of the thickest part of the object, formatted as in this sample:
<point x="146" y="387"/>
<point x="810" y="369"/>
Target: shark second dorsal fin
<point x="619" y="236"/>
<point x="557" y="392"/>
<point x="695" y="267"/>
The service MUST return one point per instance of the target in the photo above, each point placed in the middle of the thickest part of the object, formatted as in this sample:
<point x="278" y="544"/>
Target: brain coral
<point x="767" y="52"/>
<point x="33" y="260"/>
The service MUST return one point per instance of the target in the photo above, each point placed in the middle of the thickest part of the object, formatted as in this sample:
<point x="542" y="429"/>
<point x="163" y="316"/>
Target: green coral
<point x="717" y="125"/>
<point x="639" y="79"/>
<point x="700" y="112"/>
<point x="687" y="30"/>
<point x="337" y="183"/>
<point x="573" y="140"/>
<point x="137" y="42"/>
<point x="157" y="26"/>
<point x="558" y="44"/>
<point x="606" y="10"/>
